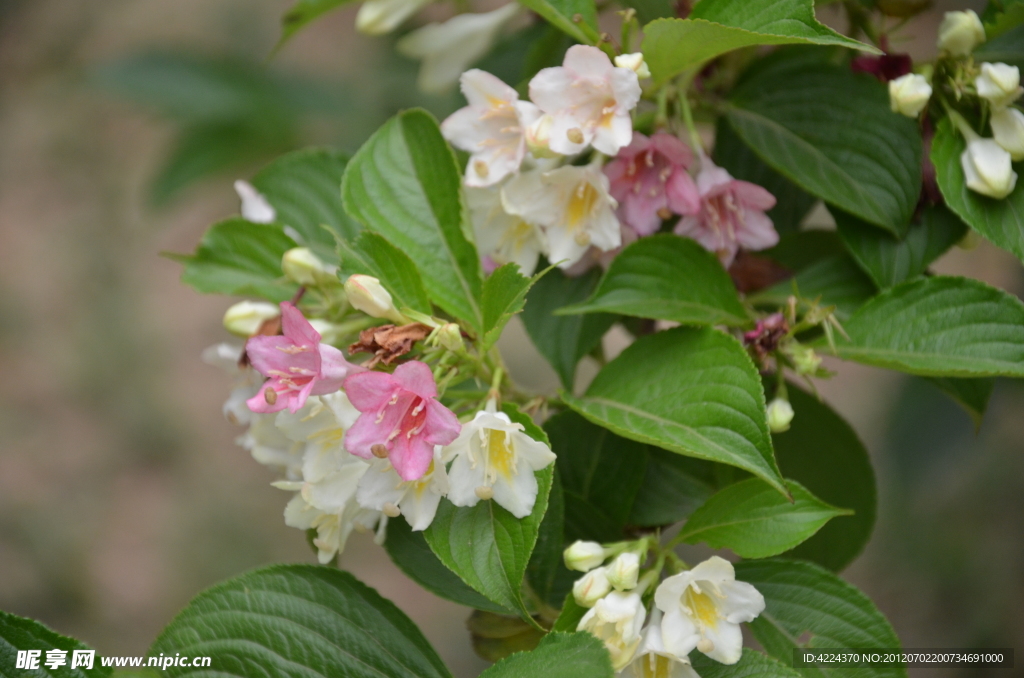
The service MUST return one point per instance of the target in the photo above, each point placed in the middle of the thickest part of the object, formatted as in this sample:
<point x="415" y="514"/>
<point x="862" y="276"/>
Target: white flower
<point x="1008" y="131"/>
<point x="272" y="448"/>
<point x="255" y="207"/>
<point x="584" y="556"/>
<point x="909" y="94"/>
<point x="616" y="620"/>
<point x="573" y="206"/>
<point x="449" y="48"/>
<point x="245" y="381"/>
<point x="591" y="587"/>
<point x="377" y="17"/>
<point x="493" y="458"/>
<point x="999" y="84"/>
<point x="503" y="237"/>
<point x="624" y="571"/>
<point x="987" y="168"/>
<point x="780" y="415"/>
<point x="381" y="489"/>
<point x="589" y="99"/>
<point x="634" y="62"/>
<point x="703" y="609"/>
<point x="366" y="294"/>
<point x="961" y="32"/>
<point x="302" y="266"/>
<point x="652" y="660"/>
<point x="245" y="318"/>
<point x="491" y="128"/>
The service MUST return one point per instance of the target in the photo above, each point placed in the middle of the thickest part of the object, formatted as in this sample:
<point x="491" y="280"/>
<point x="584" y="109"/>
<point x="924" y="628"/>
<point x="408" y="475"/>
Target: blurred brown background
<point x="122" y="493"/>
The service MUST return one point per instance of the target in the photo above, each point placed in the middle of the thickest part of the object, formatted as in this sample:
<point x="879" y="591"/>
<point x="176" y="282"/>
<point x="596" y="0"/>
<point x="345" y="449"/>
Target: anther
<point x="665" y="213"/>
<point x="391" y="511"/>
<point x="705" y="645"/>
<point x="379" y="451"/>
<point x="484" y="492"/>
<point x="575" y="135"/>
<point x="480" y="167"/>
<point x="270" y="395"/>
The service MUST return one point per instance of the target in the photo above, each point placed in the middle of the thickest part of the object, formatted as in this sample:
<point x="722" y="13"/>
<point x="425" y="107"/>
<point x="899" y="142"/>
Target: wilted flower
<point x="732" y="214"/>
<point x="999" y="84"/>
<point x="589" y="100"/>
<point x="703" y="609"/>
<point x="616" y="620"/>
<point x="909" y="94"/>
<point x="491" y="128"/>
<point x="447" y="49"/>
<point x="649" y="179"/>
<point x="400" y="420"/>
<point x="961" y="32"/>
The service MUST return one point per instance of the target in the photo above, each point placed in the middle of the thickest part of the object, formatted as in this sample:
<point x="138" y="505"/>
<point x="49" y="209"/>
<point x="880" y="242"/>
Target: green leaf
<point x="971" y="394"/>
<point x="298" y="620"/>
<point x="304" y="188"/>
<point x="503" y="296"/>
<point x="1006" y="40"/>
<point x="1000" y="221"/>
<point x="889" y="260"/>
<point x="837" y="281"/>
<point x="546" y="572"/>
<point x="799" y="250"/>
<point x="803" y="599"/>
<point x="18" y="633"/>
<point x="564" y="340"/>
<point x="691" y="391"/>
<point x="410" y="552"/>
<point x="715" y="27"/>
<point x="752" y="664"/>
<point x="302" y="13"/>
<point x="940" y="327"/>
<point x="487" y="546"/>
<point x="559" y="655"/>
<point x="831" y="132"/>
<point x="673" y="487"/>
<point x="668" y="278"/>
<point x="404" y="184"/>
<point x="792" y="202"/>
<point x="241" y="258"/>
<point x="601" y="474"/>
<point x="570" y="616"/>
<point x="754" y="521"/>
<point x="562" y="14"/>
<point x="821" y="451"/>
<point x="371" y="254"/>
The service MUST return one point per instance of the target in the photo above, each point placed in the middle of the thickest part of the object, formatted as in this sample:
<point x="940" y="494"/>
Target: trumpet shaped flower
<point x="649" y="179"/>
<point x="502" y="237"/>
<point x="589" y="99"/>
<point x="732" y="214"/>
<point x="400" y="419"/>
<point x="652" y="660"/>
<point x="494" y="458"/>
<point x="704" y="608"/>
<point x="296" y="365"/>
<point x="382" y="489"/>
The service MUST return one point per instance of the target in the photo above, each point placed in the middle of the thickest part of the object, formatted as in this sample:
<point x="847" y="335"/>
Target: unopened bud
<point x="805" y="359"/>
<point x="961" y="32"/>
<point x="302" y="266"/>
<point x="366" y="294"/>
<point x="255" y="207"/>
<point x="584" y="556"/>
<point x="1008" y="131"/>
<point x="624" y="571"/>
<point x="780" y="415"/>
<point x="988" y="168"/>
<point x="245" y="318"/>
<point x="485" y="492"/>
<point x="634" y="62"/>
<point x="591" y="587"/>
<point x="330" y="333"/>
<point x="450" y="336"/>
<point x="379" y="451"/>
<point x="999" y="84"/>
<point x="909" y="94"/>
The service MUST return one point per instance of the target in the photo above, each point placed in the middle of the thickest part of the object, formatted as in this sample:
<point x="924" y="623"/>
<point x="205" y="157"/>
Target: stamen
<point x="270" y="395"/>
<point x="484" y="492"/>
<point x="665" y="213"/>
<point x="294" y="349"/>
<point x="480" y="167"/>
<point x="379" y="451"/>
<point x="705" y="645"/>
<point x="575" y="135"/>
<point x="391" y="511"/>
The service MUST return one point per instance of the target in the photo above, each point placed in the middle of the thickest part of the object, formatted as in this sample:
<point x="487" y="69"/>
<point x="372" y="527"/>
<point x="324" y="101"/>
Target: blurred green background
<point x="122" y="126"/>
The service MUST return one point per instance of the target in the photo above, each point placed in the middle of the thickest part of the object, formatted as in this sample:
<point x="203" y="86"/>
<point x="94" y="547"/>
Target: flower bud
<point x="591" y="587"/>
<point x="377" y="17"/>
<point x="255" y="207"/>
<point x="909" y="94"/>
<point x="634" y="62"/>
<point x="366" y="294"/>
<point x="330" y="333"/>
<point x="245" y="318"/>
<point x="780" y="415"/>
<point x="999" y="84"/>
<point x="538" y="137"/>
<point x="987" y="168"/>
<point x="624" y="570"/>
<point x="450" y="336"/>
<point x="1008" y="131"/>
<point x="302" y="266"/>
<point x="805" y="359"/>
<point x="584" y="556"/>
<point x="961" y="32"/>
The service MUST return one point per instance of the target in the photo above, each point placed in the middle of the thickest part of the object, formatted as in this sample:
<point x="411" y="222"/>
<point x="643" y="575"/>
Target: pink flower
<point x="400" y="414"/>
<point x="650" y="181"/>
<point x="732" y="214"/>
<point x="296" y="365"/>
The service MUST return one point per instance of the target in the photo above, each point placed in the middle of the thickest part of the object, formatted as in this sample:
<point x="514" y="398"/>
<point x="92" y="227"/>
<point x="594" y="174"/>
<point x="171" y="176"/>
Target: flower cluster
<point x="528" y="196"/>
<point x="696" y="609"/>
